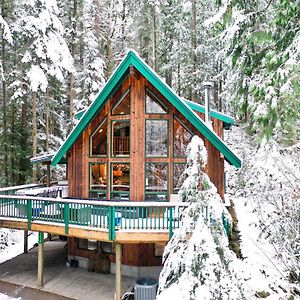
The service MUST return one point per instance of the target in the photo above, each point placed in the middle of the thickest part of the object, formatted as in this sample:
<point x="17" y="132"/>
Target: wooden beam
<point x="41" y="260"/>
<point x="118" y="271"/>
<point x="122" y="236"/>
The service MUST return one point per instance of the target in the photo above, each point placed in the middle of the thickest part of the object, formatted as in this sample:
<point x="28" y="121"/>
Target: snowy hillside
<point x="265" y="193"/>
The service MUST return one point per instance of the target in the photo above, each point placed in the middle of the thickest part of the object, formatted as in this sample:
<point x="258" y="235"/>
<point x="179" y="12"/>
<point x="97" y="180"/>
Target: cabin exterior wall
<point x="79" y="159"/>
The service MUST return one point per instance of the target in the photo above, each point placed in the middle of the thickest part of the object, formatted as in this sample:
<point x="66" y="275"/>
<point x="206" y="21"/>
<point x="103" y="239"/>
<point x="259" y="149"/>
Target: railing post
<point x="111" y="223"/>
<point x="29" y="213"/>
<point x="170" y="222"/>
<point x="67" y="217"/>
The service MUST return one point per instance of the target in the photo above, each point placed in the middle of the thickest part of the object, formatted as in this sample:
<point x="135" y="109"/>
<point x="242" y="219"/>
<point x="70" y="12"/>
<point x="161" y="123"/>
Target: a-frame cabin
<point x="129" y="145"/>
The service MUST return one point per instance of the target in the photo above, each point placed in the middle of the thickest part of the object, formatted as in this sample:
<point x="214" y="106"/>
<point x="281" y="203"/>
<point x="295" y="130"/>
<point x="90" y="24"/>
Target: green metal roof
<point x="227" y="120"/>
<point x="46" y="158"/>
<point x="111" y="86"/>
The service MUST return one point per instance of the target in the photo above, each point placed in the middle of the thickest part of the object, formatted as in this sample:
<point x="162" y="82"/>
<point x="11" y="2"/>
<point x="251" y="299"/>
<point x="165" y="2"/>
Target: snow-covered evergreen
<point x="197" y="261"/>
<point x="261" y="51"/>
<point x="265" y="193"/>
<point x="7" y="36"/>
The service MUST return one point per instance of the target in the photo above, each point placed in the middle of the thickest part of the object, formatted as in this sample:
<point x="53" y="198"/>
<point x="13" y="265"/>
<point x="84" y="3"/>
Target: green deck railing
<point x="108" y="215"/>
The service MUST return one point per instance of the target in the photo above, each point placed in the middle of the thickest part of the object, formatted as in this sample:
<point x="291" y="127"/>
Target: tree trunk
<point x="154" y="56"/>
<point x="123" y="26"/>
<point x="193" y="49"/>
<point x="47" y="119"/>
<point x="71" y="93"/>
<point x="4" y="108"/>
<point x="24" y="143"/>
<point x="34" y="135"/>
<point x="13" y="171"/>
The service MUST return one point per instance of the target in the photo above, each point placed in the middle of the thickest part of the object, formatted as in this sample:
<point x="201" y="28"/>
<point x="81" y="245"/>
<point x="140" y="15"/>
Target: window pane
<point x="98" y="181"/>
<point x="153" y="106"/>
<point x="87" y="244"/>
<point x="123" y="105"/>
<point x="156" y="177"/>
<point x="121" y="138"/>
<point x="182" y="138"/>
<point x="99" y="140"/>
<point x="120" y="177"/>
<point x="178" y="176"/>
<point x="157" y="138"/>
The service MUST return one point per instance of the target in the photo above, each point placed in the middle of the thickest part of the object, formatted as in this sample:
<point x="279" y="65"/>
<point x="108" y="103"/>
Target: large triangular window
<point x="122" y="107"/>
<point x="153" y="104"/>
<point x="98" y="140"/>
<point x="182" y="137"/>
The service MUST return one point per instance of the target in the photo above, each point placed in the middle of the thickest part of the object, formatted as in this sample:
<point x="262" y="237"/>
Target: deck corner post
<point x="29" y="214"/>
<point x="67" y="217"/>
<point x="118" y="271"/>
<point x="41" y="260"/>
<point x="111" y="223"/>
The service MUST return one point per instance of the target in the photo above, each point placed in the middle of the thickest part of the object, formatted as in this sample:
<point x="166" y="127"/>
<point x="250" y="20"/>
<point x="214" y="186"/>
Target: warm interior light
<point x="100" y="130"/>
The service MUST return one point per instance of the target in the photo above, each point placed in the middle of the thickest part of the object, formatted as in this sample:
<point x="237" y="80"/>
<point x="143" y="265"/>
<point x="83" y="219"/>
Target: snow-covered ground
<point x="5" y="297"/>
<point x="265" y="184"/>
<point x="12" y="243"/>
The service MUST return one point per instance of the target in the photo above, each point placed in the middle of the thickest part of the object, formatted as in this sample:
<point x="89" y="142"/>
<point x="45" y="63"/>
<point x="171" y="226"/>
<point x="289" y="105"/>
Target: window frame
<point x="168" y="183"/>
<point x="119" y="101"/>
<point x="87" y="241"/>
<point x="168" y="138"/>
<point x="173" y="175"/>
<point x="111" y="181"/>
<point x="173" y="137"/>
<point x="149" y="91"/>
<point x="89" y="183"/>
<point x="112" y="138"/>
<point x="91" y="137"/>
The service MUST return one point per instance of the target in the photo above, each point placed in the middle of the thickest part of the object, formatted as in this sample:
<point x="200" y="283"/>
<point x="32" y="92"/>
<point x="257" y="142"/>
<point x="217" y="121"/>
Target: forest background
<point x="55" y="57"/>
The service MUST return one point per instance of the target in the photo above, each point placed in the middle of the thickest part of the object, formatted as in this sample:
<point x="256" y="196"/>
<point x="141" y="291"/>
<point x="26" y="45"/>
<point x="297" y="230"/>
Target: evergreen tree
<point x="260" y="41"/>
<point x="197" y="261"/>
<point x="45" y="57"/>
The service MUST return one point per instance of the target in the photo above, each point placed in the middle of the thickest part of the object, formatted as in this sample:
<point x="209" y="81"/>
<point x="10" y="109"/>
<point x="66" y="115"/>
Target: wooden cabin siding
<point x="78" y="159"/>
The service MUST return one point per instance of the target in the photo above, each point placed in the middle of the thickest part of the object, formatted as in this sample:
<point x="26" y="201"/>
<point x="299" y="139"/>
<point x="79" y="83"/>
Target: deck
<point x="111" y="221"/>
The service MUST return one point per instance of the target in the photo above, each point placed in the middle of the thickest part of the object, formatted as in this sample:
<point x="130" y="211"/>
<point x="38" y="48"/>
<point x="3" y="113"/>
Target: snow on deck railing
<point x="12" y="189"/>
<point x="107" y="215"/>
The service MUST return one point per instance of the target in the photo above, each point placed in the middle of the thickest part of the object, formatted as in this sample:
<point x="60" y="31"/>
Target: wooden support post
<point x="48" y="185"/>
<point x="25" y="241"/>
<point x="118" y="271"/>
<point x="41" y="260"/>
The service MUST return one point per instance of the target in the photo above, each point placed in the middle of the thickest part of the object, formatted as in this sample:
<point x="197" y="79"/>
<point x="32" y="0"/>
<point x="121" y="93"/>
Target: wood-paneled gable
<point x="79" y="158"/>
